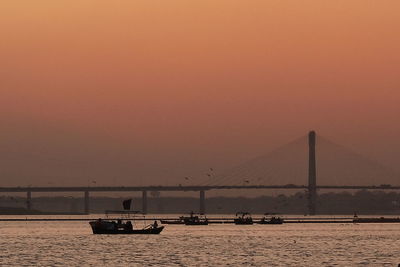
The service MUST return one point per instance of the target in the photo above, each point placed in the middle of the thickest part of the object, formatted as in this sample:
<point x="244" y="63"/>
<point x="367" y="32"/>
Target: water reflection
<point x="71" y="243"/>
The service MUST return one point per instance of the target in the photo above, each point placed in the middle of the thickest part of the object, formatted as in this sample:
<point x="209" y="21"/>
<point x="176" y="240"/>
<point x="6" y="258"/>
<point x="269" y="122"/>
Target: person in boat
<point x="98" y="223"/>
<point x="155" y="224"/>
<point x="129" y="226"/>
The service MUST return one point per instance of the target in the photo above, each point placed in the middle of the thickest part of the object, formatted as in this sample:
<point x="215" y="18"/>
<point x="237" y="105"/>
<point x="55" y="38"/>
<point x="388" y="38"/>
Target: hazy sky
<point x="147" y="92"/>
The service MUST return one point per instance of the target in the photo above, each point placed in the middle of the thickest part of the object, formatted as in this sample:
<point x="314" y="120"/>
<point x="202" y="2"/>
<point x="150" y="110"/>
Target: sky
<point x="149" y="92"/>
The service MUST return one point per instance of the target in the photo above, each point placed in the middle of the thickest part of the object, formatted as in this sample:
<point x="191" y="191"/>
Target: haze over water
<point x="148" y="92"/>
<point x="73" y="244"/>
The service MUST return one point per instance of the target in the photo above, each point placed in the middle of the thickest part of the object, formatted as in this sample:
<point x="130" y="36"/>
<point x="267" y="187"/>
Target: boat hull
<point x="152" y="231"/>
<point x="243" y="222"/>
<point x="196" y="223"/>
<point x="99" y="230"/>
<point x="273" y="220"/>
<point x="263" y="222"/>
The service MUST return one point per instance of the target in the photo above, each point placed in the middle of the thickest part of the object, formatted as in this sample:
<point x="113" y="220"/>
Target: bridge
<point x="214" y="183"/>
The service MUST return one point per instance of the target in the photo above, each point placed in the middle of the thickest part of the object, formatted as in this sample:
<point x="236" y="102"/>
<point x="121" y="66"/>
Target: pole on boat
<point x="202" y="202"/>
<point x="312" y="175"/>
<point x="28" y="200"/>
<point x="86" y="202"/>
<point x="144" y="202"/>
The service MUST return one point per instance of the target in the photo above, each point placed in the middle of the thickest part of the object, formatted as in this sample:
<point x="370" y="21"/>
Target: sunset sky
<point x="148" y="92"/>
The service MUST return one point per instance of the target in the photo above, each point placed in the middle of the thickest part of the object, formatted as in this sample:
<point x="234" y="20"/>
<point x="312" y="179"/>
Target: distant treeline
<point x="361" y="202"/>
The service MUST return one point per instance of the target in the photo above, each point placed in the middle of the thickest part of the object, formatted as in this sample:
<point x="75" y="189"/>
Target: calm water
<point x="72" y="244"/>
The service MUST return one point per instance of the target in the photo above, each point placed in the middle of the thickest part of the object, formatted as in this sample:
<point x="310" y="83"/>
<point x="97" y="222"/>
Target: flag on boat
<point x="127" y="204"/>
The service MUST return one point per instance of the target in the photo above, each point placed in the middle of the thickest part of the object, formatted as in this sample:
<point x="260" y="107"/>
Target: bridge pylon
<point x="312" y="174"/>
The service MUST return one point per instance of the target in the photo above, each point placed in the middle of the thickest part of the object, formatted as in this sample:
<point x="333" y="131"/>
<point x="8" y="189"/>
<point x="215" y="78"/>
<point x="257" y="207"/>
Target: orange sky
<point x="141" y="90"/>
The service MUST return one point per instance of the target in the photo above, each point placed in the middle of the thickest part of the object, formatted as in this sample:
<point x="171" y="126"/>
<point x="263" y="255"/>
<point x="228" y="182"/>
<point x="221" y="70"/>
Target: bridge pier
<point x="144" y="202"/>
<point x="202" y="202"/>
<point x="29" y="200"/>
<point x="86" y="202"/>
<point x="312" y="175"/>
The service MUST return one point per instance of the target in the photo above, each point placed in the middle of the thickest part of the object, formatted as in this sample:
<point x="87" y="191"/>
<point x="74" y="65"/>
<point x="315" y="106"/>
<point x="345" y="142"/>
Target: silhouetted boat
<point x="195" y="219"/>
<point x="270" y="220"/>
<point x="124" y="224"/>
<point x="120" y="226"/>
<point x="243" y="218"/>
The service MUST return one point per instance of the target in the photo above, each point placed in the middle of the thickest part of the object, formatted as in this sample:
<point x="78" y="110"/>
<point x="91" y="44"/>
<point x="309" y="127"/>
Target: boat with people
<point x="119" y="226"/>
<point x="270" y="219"/>
<point x="243" y="218"/>
<point x="194" y="219"/>
<point x="125" y="224"/>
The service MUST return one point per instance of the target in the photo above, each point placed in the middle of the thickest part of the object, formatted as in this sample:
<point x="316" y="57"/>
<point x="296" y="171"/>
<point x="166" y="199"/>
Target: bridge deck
<point x="184" y="188"/>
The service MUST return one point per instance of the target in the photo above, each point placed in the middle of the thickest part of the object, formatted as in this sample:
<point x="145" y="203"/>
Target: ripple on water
<point x="71" y="243"/>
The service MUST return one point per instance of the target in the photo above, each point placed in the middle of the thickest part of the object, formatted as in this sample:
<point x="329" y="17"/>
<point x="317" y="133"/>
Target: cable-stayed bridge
<point x="307" y="163"/>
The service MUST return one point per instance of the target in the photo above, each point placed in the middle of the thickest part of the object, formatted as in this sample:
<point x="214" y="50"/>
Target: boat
<point x="192" y="219"/>
<point x="267" y="219"/>
<point x="195" y="219"/>
<point x="120" y="226"/>
<point x="124" y="224"/>
<point x="243" y="218"/>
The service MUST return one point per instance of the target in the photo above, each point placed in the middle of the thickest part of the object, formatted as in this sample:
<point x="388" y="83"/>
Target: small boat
<point x="120" y="226"/>
<point x="195" y="219"/>
<point x="243" y="218"/>
<point x="270" y="220"/>
<point x="123" y="225"/>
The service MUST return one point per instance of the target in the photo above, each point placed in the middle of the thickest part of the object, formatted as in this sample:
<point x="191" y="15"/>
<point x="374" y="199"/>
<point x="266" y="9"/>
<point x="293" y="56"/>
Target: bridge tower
<point x="312" y="174"/>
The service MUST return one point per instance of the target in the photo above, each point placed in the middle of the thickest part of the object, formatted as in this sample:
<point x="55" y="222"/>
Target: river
<point x="71" y="243"/>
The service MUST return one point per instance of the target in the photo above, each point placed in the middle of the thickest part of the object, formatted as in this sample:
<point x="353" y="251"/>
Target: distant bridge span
<point x="183" y="188"/>
<point x="201" y="189"/>
<point x="311" y="187"/>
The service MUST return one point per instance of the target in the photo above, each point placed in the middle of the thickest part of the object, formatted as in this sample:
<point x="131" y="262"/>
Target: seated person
<point x="128" y="226"/>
